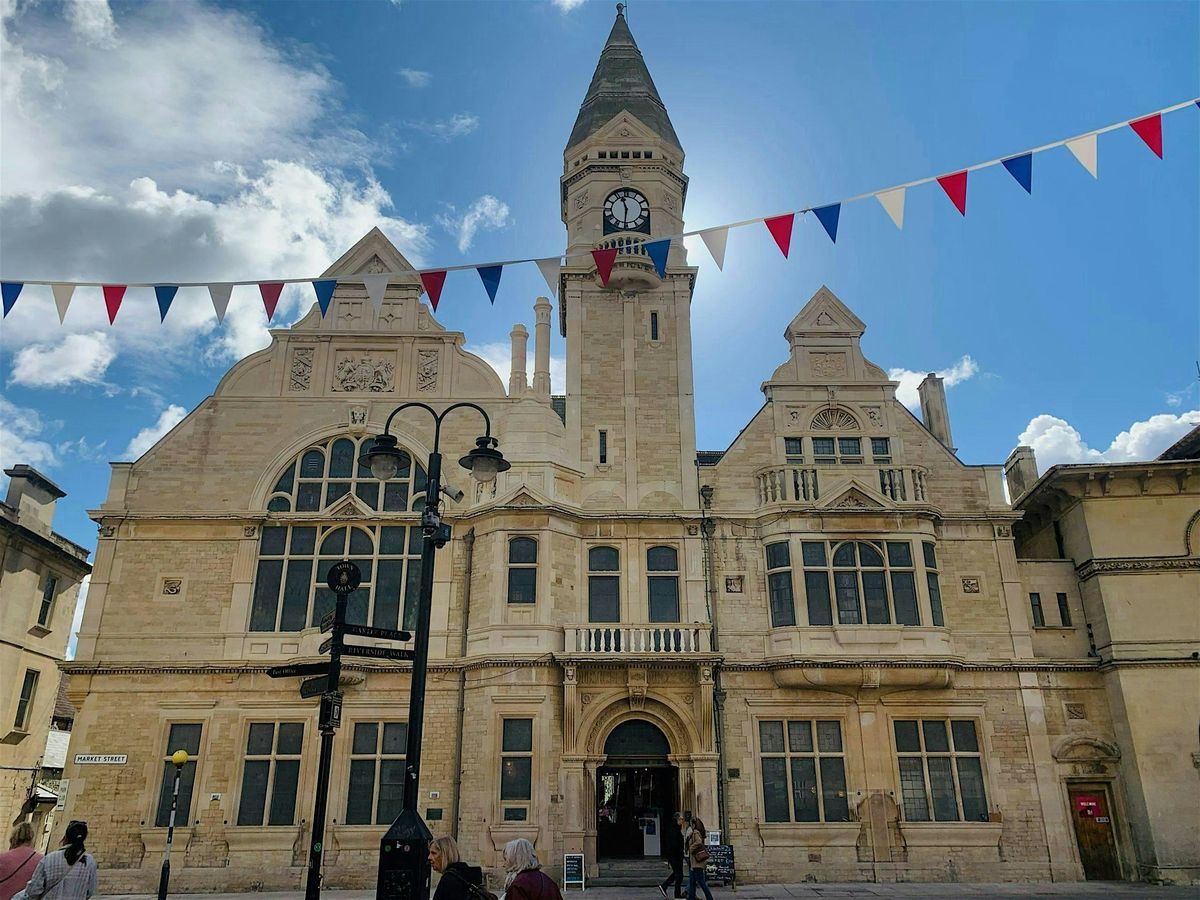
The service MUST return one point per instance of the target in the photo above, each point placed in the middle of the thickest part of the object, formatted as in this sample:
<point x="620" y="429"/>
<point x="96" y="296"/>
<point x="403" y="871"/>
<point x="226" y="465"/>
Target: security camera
<point x="453" y="493"/>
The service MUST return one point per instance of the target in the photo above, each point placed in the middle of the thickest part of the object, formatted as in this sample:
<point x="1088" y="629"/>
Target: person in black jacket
<point x="672" y="849"/>
<point x="457" y="877"/>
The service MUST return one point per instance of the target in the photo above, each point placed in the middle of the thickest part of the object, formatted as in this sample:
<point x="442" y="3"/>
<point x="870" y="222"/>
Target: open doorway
<point x="637" y="792"/>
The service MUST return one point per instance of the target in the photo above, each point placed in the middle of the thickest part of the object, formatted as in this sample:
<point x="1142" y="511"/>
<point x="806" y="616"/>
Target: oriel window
<point x="779" y="585"/>
<point x="522" y="570"/>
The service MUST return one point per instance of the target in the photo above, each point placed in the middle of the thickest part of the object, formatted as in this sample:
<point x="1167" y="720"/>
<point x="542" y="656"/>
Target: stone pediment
<point x="854" y="496"/>
<point x="824" y="314"/>
<point x="524" y="495"/>
<point x="350" y="507"/>
<point x="625" y="128"/>
<point x="374" y="254"/>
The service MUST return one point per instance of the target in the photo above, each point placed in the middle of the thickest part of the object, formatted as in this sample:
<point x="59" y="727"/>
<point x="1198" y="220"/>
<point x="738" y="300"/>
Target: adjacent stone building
<point x="40" y="574"/>
<point x="821" y="639"/>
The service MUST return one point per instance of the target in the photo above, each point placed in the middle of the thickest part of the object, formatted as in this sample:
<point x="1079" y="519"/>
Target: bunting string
<point x="1019" y="165"/>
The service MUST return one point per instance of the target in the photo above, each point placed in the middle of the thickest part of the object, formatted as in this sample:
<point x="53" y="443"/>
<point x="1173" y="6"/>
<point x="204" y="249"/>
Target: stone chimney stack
<point x="1020" y="471"/>
<point x="934" y="412"/>
<point x="518" y="383"/>
<point x="541" y="348"/>
<point x="33" y="496"/>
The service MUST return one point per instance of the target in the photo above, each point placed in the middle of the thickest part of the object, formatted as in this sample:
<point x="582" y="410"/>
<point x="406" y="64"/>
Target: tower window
<point x="603" y="448"/>
<point x="654" y="326"/>
<point x="649" y="154"/>
<point x="624" y="154"/>
<point x="603" y="154"/>
<point x="637" y="154"/>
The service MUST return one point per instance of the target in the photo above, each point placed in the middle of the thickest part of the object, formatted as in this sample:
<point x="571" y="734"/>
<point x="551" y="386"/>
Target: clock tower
<point x="629" y="353"/>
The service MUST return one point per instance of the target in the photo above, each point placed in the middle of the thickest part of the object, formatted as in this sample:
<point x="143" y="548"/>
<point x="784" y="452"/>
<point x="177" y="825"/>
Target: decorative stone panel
<point x="357" y="371"/>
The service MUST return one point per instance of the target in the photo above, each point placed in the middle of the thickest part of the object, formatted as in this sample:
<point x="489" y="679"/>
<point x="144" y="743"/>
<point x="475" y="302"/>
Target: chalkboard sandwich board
<point x="573" y="870"/>
<point x="720" y="864"/>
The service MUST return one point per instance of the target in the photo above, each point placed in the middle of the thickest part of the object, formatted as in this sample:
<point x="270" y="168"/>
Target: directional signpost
<point x="344" y="579"/>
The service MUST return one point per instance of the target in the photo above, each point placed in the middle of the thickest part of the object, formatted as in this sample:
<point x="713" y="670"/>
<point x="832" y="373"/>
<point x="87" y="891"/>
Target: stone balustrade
<point x="658" y="638"/>
<point x="805" y="484"/>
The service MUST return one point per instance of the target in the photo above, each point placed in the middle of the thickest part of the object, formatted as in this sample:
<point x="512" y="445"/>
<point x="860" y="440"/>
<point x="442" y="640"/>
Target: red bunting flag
<point x="781" y="229"/>
<point x="270" y="291"/>
<point x="113" y="294"/>
<point x="1149" y="130"/>
<point x="604" y="263"/>
<point x="432" y="282"/>
<point x="955" y="187"/>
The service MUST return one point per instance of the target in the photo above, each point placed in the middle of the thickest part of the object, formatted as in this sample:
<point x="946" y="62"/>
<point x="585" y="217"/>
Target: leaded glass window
<point x="326" y="472"/>
<point x="941" y="770"/>
<point x="803" y="779"/>
<point x="872" y="583"/>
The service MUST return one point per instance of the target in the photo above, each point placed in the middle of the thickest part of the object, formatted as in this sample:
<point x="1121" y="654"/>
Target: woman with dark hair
<point x="18" y="863"/>
<point x="698" y="859"/>
<point x="68" y="873"/>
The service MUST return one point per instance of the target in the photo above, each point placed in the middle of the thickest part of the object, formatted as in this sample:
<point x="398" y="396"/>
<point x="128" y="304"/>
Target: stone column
<point x="541" y="348"/>
<point x="517" y="381"/>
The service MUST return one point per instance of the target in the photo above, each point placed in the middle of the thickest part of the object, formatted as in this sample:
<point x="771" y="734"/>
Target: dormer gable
<point x="824" y="342"/>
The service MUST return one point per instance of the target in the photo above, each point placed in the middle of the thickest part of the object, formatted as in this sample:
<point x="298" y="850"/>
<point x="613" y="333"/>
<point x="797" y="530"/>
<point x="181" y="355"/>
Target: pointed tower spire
<point x="622" y="82"/>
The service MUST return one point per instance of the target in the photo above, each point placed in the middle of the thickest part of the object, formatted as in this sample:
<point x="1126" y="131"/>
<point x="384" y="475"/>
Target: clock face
<point x="626" y="210"/>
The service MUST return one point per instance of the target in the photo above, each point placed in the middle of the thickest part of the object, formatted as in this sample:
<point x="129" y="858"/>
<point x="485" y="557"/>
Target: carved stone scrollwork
<point x="250" y="531"/>
<point x="875" y="414"/>
<point x="834" y="419"/>
<point x="637" y="689"/>
<point x="370" y="374"/>
<point x="427" y="370"/>
<point x="376" y="266"/>
<point x="828" y="364"/>
<point x="970" y="585"/>
<point x="358" y="419"/>
<point x="581" y="199"/>
<point x="107" y="530"/>
<point x="300" y="373"/>
<point x="626" y="174"/>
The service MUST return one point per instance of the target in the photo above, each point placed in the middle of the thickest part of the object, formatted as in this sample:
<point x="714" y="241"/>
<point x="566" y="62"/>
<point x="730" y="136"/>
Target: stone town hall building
<point x="834" y="641"/>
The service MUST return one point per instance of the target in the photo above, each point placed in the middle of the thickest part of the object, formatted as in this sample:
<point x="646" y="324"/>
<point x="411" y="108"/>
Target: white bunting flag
<point x="714" y="240"/>
<point x="62" y="298"/>
<point x="220" y="294"/>
<point x="376" y="286"/>
<point x="893" y="203"/>
<point x="550" y="268"/>
<point x="1084" y="150"/>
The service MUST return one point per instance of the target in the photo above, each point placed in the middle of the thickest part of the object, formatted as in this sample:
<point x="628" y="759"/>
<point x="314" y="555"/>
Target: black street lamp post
<point x="404" y="850"/>
<point x="180" y="759"/>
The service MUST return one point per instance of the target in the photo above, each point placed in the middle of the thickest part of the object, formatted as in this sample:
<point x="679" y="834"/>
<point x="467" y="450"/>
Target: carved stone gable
<point x="853" y="498"/>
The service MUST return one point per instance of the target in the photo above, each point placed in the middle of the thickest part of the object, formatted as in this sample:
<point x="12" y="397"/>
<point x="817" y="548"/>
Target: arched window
<point x="325" y="472"/>
<point x="290" y="591"/>
<point x="604" y="592"/>
<point x="864" y="580"/>
<point x="662" y="588"/>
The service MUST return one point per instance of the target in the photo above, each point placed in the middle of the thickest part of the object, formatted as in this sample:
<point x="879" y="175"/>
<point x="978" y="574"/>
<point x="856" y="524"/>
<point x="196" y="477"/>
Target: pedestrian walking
<point x="68" y="873"/>
<point x="459" y="881"/>
<point x="672" y="845"/>
<point x="18" y="862"/>
<point x="697" y="852"/>
<point x="525" y="879"/>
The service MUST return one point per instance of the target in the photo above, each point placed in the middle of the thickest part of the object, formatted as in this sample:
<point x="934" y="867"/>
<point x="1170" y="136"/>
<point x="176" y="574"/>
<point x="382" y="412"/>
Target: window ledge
<point x="951" y="834"/>
<point x="14" y="737"/>
<point x="501" y="834"/>
<point x="809" y="834"/>
<point x="39" y="631"/>
<point x="251" y="838"/>
<point x="1053" y="627"/>
<point x="358" y="837"/>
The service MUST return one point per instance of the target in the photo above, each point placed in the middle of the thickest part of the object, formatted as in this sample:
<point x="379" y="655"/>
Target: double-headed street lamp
<point x="404" y="850"/>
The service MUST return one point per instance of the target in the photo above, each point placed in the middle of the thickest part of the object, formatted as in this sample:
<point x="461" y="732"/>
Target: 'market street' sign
<point x="101" y="759"/>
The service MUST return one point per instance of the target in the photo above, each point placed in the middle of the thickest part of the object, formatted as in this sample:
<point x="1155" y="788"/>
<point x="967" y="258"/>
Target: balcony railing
<point x="659" y="638"/>
<point x="804" y="484"/>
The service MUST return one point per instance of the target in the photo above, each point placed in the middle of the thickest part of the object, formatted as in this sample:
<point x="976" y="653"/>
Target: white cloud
<point x="76" y="358"/>
<point x="1056" y="441"/>
<point x="909" y="380"/>
<point x="77" y="619"/>
<point x="498" y="355"/>
<point x="93" y="21"/>
<point x="149" y="436"/>
<point x="487" y="212"/>
<point x="21" y="433"/>
<point x="447" y="129"/>
<point x="567" y="5"/>
<point x="415" y="77"/>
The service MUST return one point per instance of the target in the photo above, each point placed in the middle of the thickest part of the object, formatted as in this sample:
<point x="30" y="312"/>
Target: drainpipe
<point x="708" y="530"/>
<point x="460" y="713"/>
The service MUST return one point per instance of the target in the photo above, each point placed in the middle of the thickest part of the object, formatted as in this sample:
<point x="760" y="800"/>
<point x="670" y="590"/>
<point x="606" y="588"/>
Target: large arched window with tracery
<point x="326" y="472"/>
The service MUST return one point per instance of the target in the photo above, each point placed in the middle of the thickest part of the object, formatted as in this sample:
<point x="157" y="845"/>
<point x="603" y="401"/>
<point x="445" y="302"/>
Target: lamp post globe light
<point x="179" y="759"/>
<point x="404" y="849"/>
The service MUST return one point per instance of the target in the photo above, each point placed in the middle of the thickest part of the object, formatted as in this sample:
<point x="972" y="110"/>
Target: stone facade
<point x="835" y="572"/>
<point x="40" y="573"/>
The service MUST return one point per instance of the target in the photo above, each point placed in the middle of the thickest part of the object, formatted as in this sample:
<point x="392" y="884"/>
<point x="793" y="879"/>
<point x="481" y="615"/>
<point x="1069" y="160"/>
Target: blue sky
<point x="198" y="141"/>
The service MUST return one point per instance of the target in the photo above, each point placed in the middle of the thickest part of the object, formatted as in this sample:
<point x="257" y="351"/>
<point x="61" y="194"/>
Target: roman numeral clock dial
<point x="626" y="210"/>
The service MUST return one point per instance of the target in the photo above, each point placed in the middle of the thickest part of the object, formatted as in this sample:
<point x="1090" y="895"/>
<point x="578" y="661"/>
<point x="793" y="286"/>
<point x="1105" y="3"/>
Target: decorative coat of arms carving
<point x="373" y="374"/>
<point x="828" y="364"/>
<point x="427" y="370"/>
<point x="300" y="374"/>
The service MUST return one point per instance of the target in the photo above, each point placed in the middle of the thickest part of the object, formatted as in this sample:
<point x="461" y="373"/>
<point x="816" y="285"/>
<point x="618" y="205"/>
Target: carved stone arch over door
<point x="680" y="731"/>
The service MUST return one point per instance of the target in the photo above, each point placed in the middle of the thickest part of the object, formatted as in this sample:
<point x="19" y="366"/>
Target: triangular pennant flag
<point x="604" y="263"/>
<point x="1084" y="150"/>
<point x="828" y="216"/>
<point x="62" y="298"/>
<point x="781" y="229"/>
<point x="1149" y="130"/>
<point x="715" y="240"/>
<point x="955" y="187"/>
<point x="433" y="282"/>
<point x="550" y="268"/>
<point x="893" y="204"/>
<point x="376" y="286"/>
<point x="657" y="251"/>
<point x="270" y="291"/>
<point x="324" y="292"/>
<point x="220" y="294"/>
<point x="113" y="294"/>
<point x="1021" y="168"/>
<point x="490" y="275"/>
<point x="10" y="290"/>
<point x="165" y="295"/>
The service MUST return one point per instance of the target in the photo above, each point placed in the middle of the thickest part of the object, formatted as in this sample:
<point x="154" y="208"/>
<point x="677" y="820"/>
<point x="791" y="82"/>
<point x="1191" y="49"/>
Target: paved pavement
<point x="1079" y="891"/>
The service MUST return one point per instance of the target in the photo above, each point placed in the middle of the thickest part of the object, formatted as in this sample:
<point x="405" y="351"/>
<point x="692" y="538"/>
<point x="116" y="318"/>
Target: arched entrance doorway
<point x="637" y="791"/>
